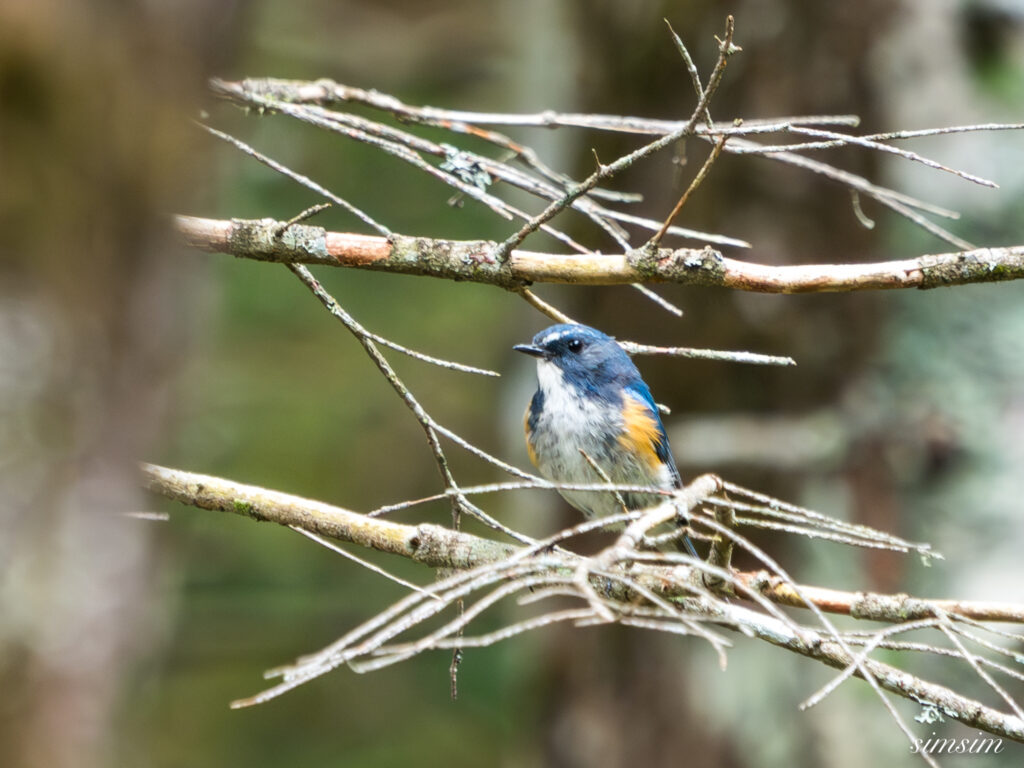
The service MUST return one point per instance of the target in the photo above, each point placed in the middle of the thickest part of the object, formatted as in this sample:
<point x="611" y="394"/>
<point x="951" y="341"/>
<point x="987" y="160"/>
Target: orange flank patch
<point x="640" y="435"/>
<point x="529" y="438"/>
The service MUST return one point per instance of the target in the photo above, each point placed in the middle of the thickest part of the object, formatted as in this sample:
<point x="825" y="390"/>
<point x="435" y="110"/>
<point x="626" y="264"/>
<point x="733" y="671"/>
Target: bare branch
<point x="655" y="241"/>
<point x="327" y="92"/>
<point x="429" y="544"/>
<point x="466" y="260"/>
<point x="614" y="575"/>
<point x="752" y="358"/>
<point x="289" y="96"/>
<point x="873" y="606"/>
<point x="439" y="547"/>
<point x="725" y="50"/>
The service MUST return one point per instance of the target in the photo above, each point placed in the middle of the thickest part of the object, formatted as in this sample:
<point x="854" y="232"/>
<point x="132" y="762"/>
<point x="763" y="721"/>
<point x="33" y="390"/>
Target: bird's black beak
<point x="529" y="349"/>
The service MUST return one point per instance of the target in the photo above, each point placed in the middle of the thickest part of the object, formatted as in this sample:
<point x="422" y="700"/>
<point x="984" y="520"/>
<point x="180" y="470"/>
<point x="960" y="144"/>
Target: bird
<point x="592" y="407"/>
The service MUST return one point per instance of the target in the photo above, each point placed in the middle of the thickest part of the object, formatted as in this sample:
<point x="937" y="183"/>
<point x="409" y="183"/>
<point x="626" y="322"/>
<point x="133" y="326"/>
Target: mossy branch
<point x="472" y="260"/>
<point x="670" y="578"/>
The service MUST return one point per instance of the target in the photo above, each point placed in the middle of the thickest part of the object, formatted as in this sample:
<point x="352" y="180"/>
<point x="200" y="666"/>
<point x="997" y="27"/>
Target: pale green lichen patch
<point x="685" y="266"/>
<point x="242" y="507"/>
<point x="980" y="266"/>
<point x="452" y="259"/>
<point x="264" y="239"/>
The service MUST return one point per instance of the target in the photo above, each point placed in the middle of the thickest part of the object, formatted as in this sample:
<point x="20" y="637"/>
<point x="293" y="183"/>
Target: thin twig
<point x="303" y="180"/>
<point x="542" y="306"/>
<point x="332" y="306"/>
<point x="361" y="561"/>
<point x="604" y="476"/>
<point x="326" y="91"/>
<point x="430" y="359"/>
<point x="947" y="629"/>
<point x="691" y="68"/>
<point x="309" y="213"/>
<point x="751" y="358"/>
<point x="872" y="642"/>
<point x="726" y="49"/>
<point x="655" y="241"/>
<point x="295" y="94"/>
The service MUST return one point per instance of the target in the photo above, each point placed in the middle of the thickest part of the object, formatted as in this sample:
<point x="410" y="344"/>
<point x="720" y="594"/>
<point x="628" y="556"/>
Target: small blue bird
<point x="591" y="400"/>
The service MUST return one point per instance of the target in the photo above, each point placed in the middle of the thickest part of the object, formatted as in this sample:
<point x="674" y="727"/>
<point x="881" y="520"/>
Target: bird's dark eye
<point x="575" y="345"/>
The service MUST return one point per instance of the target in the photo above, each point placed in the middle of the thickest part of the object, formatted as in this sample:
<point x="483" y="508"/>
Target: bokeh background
<point x="122" y="640"/>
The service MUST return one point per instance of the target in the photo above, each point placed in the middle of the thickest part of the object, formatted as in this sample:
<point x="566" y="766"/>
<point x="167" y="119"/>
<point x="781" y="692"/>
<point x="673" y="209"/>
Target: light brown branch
<point x="968" y="711"/>
<point x="470" y="260"/>
<point x="428" y="544"/>
<point x="874" y="606"/>
<point x="441" y="547"/>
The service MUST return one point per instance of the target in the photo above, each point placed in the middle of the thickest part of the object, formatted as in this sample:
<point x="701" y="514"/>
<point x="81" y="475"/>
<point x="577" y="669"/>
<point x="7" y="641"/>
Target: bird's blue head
<point x="587" y="359"/>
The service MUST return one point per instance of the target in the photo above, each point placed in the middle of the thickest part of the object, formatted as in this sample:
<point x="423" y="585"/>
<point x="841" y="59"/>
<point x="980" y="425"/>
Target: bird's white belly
<point x="574" y="430"/>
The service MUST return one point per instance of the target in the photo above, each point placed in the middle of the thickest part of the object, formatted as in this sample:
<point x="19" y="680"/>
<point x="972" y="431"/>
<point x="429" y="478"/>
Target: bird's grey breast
<point x="571" y="429"/>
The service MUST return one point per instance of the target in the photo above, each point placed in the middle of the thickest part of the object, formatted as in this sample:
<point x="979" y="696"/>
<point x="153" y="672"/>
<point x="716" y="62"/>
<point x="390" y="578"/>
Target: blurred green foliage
<point x="276" y="393"/>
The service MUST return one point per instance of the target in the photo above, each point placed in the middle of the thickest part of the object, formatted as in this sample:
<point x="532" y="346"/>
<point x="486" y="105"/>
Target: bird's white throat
<point x="567" y="411"/>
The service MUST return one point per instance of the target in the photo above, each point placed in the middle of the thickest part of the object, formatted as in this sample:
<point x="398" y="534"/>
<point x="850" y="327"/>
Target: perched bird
<point x="592" y="407"/>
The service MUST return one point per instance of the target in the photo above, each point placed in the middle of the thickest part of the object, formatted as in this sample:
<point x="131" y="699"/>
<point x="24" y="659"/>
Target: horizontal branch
<point x="874" y="606"/>
<point x="301" y="101"/>
<point x="472" y="260"/>
<point x="440" y="547"/>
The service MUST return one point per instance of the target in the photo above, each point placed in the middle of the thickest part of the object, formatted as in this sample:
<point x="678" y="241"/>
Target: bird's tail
<point x="685" y="544"/>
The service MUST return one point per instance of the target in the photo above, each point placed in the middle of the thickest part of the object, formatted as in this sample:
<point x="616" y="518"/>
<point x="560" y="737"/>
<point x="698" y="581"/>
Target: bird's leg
<point x="720" y="554"/>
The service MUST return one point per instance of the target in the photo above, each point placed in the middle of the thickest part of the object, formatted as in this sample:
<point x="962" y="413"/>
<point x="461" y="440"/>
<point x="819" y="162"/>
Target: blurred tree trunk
<point x="94" y="148"/>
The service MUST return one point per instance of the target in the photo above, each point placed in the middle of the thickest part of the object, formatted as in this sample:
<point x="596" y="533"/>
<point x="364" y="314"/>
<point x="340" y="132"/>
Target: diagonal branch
<point x="439" y="547"/>
<point x="482" y="562"/>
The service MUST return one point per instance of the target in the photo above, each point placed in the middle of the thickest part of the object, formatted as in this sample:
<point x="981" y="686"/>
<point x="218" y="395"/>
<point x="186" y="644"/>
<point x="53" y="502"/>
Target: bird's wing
<point x="530" y="424"/>
<point x="643" y="430"/>
<point x="646" y="432"/>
